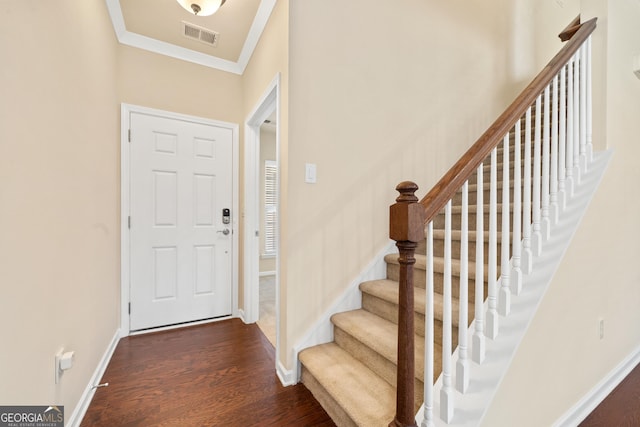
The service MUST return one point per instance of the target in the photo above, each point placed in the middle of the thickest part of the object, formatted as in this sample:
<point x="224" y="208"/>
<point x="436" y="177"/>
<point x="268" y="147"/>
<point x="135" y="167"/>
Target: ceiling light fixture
<point x="201" y="7"/>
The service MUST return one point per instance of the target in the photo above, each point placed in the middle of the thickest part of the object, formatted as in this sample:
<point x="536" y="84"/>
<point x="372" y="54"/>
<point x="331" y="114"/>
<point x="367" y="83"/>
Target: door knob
<point x="225" y="231"/>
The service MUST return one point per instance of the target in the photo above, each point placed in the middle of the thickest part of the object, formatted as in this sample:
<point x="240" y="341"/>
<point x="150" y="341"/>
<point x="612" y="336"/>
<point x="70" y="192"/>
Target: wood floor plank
<point x="621" y="408"/>
<point x="208" y="375"/>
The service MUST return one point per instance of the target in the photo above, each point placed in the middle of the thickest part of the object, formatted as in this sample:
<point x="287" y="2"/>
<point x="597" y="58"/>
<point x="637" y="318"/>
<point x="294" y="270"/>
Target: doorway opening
<point x="267" y="218"/>
<point x="261" y="215"/>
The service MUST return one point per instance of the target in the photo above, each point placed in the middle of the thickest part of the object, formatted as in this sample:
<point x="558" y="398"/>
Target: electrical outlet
<point x="56" y="367"/>
<point x="310" y="173"/>
<point x="601" y="328"/>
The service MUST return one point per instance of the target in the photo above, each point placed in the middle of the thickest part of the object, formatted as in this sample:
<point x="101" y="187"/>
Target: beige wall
<point x="156" y="81"/>
<point x="379" y="95"/>
<point x="59" y="196"/>
<point x="562" y="358"/>
<point x="270" y="59"/>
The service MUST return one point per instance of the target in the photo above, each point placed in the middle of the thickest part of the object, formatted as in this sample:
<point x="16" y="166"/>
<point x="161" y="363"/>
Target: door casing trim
<point x="269" y="101"/>
<point x="125" y="208"/>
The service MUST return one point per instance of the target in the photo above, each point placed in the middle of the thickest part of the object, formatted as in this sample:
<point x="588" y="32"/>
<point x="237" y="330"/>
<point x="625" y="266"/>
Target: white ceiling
<point x="156" y="25"/>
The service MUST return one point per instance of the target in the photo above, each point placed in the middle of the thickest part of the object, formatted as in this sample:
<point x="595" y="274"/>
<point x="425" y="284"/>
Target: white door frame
<point x="125" y="209"/>
<point x="269" y="101"/>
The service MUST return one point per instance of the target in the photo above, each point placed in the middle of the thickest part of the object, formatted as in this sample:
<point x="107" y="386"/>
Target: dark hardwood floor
<point x="222" y="374"/>
<point x="621" y="408"/>
<point x="218" y="374"/>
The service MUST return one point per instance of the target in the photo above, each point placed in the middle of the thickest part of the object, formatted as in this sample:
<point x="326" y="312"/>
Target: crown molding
<point x="163" y="48"/>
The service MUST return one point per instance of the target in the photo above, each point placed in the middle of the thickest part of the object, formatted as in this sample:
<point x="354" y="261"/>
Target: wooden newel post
<point x="406" y="227"/>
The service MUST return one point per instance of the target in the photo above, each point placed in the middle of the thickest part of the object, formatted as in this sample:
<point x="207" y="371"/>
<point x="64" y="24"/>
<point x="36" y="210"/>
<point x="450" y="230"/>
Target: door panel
<point x="181" y="180"/>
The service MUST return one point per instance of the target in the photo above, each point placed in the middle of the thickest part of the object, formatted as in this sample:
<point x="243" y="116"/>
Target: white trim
<point x="595" y="396"/>
<point x="163" y="48"/>
<point x="257" y="27"/>
<point x="268" y="102"/>
<point x="266" y="273"/>
<point x="241" y="315"/>
<point x="287" y="377"/>
<point x="125" y="246"/>
<point x="235" y="215"/>
<point x="322" y="331"/>
<point x="263" y="109"/>
<point x="126" y="110"/>
<point x="85" y="400"/>
<point x="179" y="326"/>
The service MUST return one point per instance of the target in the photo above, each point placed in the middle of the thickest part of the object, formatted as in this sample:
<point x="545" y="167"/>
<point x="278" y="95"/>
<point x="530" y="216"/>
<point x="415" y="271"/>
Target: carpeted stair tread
<point x="368" y="399"/>
<point x="473" y="208"/>
<point x="499" y="167"/>
<point x="378" y="334"/>
<point x="438" y="233"/>
<point x="485" y="186"/>
<point x="388" y="290"/>
<point x="438" y="265"/>
<point x="456" y="243"/>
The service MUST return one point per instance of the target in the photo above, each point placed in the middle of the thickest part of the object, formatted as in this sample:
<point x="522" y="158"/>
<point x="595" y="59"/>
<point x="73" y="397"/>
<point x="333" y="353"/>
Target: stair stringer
<point x="471" y="407"/>
<point x="351" y="299"/>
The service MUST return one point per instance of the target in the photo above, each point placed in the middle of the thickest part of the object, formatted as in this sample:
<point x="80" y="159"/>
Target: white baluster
<point x="576" y="119"/>
<point x="492" y="313"/>
<point x="589" y="103"/>
<point x="527" y="254"/>
<point x="536" y="236"/>
<point x="478" y="336"/>
<point x="516" y="272"/>
<point x="570" y="135"/>
<point x="462" y="366"/>
<point x="544" y="192"/>
<point x="447" y="391"/>
<point x="583" y="108"/>
<point x="505" y="290"/>
<point x="429" y="335"/>
<point x="553" y="174"/>
<point x="562" y="144"/>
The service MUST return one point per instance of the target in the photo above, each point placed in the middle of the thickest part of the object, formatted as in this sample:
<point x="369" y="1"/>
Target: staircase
<point x="363" y="377"/>
<point x="354" y="376"/>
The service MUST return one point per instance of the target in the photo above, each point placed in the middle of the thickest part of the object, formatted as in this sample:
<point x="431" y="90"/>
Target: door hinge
<point x="129" y="136"/>
<point x="129" y="221"/>
<point x="129" y="308"/>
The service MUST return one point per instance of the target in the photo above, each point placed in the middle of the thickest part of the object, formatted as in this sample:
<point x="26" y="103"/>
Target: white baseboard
<point x="179" y="326"/>
<point x="595" y="396"/>
<point x="286" y="376"/>
<point x="241" y="315"/>
<point x="322" y="331"/>
<point x="81" y="408"/>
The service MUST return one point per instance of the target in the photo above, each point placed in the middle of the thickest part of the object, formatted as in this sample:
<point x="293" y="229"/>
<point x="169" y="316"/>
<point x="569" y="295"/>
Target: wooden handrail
<point x="450" y="183"/>
<point x="408" y="216"/>
<point x="570" y="30"/>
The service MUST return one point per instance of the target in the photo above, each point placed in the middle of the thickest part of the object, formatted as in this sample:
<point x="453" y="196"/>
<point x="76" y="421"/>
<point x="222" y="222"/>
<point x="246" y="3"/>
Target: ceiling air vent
<point x="200" y="34"/>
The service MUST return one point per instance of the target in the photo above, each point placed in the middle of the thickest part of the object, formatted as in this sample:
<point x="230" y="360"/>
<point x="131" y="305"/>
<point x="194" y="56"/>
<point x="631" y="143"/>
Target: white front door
<point x="181" y="188"/>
